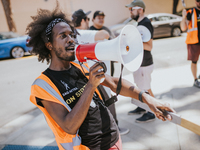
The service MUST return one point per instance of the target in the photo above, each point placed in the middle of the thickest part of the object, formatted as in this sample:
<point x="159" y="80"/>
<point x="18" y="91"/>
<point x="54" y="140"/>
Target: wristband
<point x="140" y="95"/>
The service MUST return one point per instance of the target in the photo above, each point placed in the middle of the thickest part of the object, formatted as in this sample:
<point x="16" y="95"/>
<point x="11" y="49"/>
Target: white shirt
<point x="86" y="36"/>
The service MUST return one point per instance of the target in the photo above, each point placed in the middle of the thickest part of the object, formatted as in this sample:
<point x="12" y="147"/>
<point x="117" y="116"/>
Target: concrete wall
<point x="115" y="10"/>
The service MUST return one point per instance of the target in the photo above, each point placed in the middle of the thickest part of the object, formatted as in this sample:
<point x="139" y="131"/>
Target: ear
<point x="49" y="45"/>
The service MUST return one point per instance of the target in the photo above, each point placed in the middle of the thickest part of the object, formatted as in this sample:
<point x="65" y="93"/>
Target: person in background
<point x="90" y="36"/>
<point x="142" y="76"/>
<point x="81" y="23"/>
<point x="191" y="21"/>
<point x="98" y="24"/>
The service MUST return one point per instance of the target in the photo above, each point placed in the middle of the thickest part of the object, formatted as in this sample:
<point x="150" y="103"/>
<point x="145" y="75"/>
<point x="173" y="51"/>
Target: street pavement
<point x="172" y="84"/>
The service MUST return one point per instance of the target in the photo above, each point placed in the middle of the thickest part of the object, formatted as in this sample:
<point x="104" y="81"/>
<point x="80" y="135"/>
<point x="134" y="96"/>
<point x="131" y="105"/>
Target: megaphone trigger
<point x="102" y="64"/>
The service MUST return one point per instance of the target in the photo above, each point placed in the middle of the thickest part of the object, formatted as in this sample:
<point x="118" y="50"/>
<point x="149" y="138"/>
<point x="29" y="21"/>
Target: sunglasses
<point x="132" y="8"/>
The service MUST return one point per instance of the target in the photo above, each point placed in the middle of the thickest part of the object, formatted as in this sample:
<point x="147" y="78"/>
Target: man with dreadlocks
<point x="69" y="100"/>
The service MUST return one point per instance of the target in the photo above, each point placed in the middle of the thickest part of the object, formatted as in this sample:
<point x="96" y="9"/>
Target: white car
<point x="164" y="24"/>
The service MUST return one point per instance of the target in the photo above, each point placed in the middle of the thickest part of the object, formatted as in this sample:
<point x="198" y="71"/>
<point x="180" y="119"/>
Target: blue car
<point x="13" y="45"/>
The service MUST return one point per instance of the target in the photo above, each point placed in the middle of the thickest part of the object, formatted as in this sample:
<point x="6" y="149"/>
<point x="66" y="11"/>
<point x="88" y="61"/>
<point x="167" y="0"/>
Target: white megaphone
<point x="127" y="49"/>
<point x="145" y="33"/>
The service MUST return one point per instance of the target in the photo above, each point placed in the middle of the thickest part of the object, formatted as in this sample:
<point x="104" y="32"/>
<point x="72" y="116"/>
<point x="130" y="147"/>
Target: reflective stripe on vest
<point x="193" y="23"/>
<point x="192" y="33"/>
<point x="44" y="88"/>
<point x="69" y="146"/>
<point x="44" y="85"/>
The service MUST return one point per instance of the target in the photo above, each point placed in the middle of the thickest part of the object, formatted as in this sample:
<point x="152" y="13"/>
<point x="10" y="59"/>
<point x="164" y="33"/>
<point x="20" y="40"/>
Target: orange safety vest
<point x="44" y="88"/>
<point x="192" y="33"/>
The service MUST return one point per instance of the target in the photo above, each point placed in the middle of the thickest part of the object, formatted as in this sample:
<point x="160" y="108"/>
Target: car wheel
<point x="17" y="52"/>
<point x="176" y="31"/>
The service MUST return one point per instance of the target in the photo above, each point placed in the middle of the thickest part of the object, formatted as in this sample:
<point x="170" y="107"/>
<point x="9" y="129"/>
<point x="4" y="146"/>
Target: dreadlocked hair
<point x="37" y="31"/>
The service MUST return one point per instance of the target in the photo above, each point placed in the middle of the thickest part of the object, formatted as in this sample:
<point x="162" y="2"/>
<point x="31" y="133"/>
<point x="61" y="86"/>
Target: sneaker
<point x="147" y="117"/>
<point x="138" y="110"/>
<point x="197" y="83"/>
<point x="123" y="131"/>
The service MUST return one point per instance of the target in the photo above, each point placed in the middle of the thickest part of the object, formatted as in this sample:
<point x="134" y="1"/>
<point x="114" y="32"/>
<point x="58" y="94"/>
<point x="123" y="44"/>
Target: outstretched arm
<point x="101" y="35"/>
<point x="129" y="90"/>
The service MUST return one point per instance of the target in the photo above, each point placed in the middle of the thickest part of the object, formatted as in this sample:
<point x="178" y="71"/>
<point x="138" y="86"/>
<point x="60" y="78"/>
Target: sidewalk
<point x="173" y="85"/>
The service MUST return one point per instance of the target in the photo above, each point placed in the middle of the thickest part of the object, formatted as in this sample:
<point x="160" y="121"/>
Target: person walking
<point x="142" y="76"/>
<point x="69" y="100"/>
<point x="191" y="22"/>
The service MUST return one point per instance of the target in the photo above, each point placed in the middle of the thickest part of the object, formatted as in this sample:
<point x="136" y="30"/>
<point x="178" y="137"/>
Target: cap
<point x="80" y="14"/>
<point x="98" y="13"/>
<point x="134" y="3"/>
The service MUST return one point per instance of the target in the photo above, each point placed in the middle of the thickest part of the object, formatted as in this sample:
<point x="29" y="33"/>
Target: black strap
<point x="113" y="99"/>
<point x="140" y="95"/>
<point x="103" y="92"/>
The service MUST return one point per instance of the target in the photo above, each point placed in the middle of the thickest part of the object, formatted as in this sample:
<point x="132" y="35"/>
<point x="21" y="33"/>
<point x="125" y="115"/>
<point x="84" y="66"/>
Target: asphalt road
<point x="17" y="75"/>
<point x="170" y="51"/>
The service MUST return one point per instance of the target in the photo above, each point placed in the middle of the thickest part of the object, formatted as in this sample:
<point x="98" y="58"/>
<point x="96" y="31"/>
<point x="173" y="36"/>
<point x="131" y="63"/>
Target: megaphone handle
<point x="119" y="84"/>
<point x="102" y="64"/>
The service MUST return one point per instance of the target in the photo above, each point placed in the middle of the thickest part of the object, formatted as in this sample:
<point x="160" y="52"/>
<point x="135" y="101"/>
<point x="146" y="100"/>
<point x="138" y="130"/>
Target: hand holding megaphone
<point x="127" y="49"/>
<point x="97" y="71"/>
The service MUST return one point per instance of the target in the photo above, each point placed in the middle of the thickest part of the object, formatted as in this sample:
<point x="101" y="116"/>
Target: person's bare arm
<point x="184" y="24"/>
<point x="148" y="45"/>
<point x="129" y="90"/>
<point x="71" y="121"/>
<point x="101" y="35"/>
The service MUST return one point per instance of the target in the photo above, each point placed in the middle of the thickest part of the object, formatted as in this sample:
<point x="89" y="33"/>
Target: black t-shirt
<point x="99" y="130"/>
<point x="147" y="58"/>
<point x="189" y="17"/>
<point x="104" y="28"/>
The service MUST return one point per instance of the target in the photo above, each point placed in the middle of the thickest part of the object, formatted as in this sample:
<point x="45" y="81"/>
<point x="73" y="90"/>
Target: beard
<point x="59" y="52"/>
<point x="135" y="17"/>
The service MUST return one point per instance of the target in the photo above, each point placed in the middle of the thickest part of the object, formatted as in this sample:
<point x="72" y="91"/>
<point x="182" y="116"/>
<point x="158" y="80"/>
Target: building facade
<point x="114" y="10"/>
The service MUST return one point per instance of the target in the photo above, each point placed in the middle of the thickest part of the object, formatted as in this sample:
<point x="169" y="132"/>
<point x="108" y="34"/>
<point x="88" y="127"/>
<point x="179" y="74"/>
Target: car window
<point x="153" y="19"/>
<point x="173" y="18"/>
<point x="163" y="18"/>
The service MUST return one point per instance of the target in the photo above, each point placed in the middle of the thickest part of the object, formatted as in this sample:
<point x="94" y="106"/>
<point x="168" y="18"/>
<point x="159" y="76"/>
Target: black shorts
<point x="193" y="52"/>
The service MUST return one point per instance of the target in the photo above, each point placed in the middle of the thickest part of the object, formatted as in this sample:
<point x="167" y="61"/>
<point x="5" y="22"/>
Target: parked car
<point x="116" y="29"/>
<point x="164" y="25"/>
<point x="13" y="45"/>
